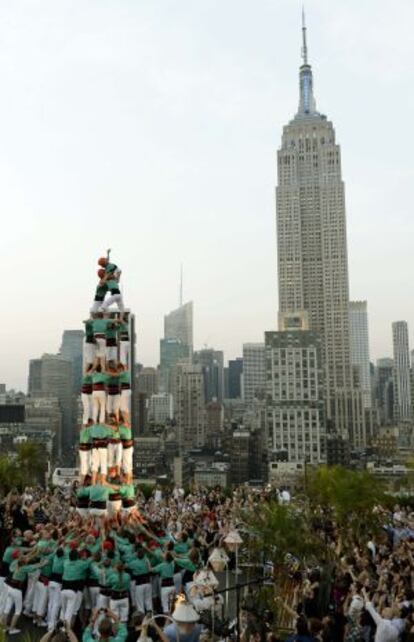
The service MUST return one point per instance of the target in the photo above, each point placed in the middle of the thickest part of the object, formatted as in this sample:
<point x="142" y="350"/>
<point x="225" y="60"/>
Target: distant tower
<point x="358" y="318"/>
<point x="312" y="248"/>
<point x="401" y="372"/>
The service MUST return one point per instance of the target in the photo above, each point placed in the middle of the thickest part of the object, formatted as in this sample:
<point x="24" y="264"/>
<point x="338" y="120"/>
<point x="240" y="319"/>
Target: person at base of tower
<point x="114" y="499"/>
<point x="99" y="379"/>
<point x="119" y="581"/>
<point x="113" y="397"/>
<point x="86" y="395"/>
<point x="98" y="497"/>
<point x="85" y="450"/>
<point x="125" y="399"/>
<point x="127" y="492"/>
<point x="125" y="434"/>
<point x="100" y="293"/>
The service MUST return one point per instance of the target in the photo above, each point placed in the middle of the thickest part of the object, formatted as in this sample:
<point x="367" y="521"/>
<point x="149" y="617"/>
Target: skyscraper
<point x="384" y="390"/>
<point x="212" y="364"/>
<point x="72" y="350"/>
<point x="235" y="373"/>
<point x="178" y="324"/>
<point x="254" y="371"/>
<point x="295" y="401"/>
<point x="189" y="406"/>
<point x="401" y="372"/>
<point x="312" y="248"/>
<point x="358" y="318"/>
<point x="172" y="351"/>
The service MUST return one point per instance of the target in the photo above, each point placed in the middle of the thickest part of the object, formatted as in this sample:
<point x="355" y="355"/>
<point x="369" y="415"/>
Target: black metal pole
<point x="238" y="611"/>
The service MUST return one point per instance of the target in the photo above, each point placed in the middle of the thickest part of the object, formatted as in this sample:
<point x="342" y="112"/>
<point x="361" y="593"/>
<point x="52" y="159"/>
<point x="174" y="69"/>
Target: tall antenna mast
<point x="181" y="285"/>
<point x="304" y="44"/>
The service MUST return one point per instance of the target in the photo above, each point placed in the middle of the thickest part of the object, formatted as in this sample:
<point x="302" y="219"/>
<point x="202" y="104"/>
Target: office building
<point x="312" y="248"/>
<point x="212" y="364"/>
<point x="384" y="390"/>
<point x="189" y="406"/>
<point x="72" y="350"/>
<point x="178" y="324"/>
<point x="401" y="372"/>
<point x="295" y="404"/>
<point x="147" y="381"/>
<point x="52" y="376"/>
<point x="358" y="329"/>
<point x="172" y="352"/>
<point x="254" y="371"/>
<point x="160" y="409"/>
<point x="235" y="374"/>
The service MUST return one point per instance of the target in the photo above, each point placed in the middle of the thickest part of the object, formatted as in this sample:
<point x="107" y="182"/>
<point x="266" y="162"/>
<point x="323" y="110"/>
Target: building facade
<point x="212" y="364"/>
<point x="178" y="324"/>
<point x="235" y="374"/>
<point x="172" y="351"/>
<point x="254" y="371"/>
<point x="312" y="248"/>
<point x="160" y="409"/>
<point x="401" y="372"/>
<point x="189" y="406"/>
<point x="358" y="326"/>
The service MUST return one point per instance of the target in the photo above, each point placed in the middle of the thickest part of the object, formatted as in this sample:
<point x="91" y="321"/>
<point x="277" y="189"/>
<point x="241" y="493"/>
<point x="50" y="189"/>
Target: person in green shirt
<point x="20" y="568"/>
<point x="98" y="497"/>
<point x="109" y="629"/>
<point x="85" y="451"/>
<point x="100" y="434"/>
<point x="166" y="572"/>
<point x="82" y="497"/>
<point x="125" y="434"/>
<point x="111" y="278"/>
<point x="99" y="325"/>
<point x="86" y="395"/>
<point x="128" y="498"/>
<point x="125" y="400"/>
<point x="119" y="581"/>
<point x="124" y="344"/>
<point x="73" y="580"/>
<point x="113" y="390"/>
<point x="89" y="345"/>
<point x="140" y="568"/>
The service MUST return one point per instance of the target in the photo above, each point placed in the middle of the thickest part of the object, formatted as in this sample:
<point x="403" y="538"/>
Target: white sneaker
<point x="13" y="631"/>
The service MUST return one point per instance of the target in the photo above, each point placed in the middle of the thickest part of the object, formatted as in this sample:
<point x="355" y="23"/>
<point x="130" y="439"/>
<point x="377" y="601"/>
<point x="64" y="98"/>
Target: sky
<point x="151" y="127"/>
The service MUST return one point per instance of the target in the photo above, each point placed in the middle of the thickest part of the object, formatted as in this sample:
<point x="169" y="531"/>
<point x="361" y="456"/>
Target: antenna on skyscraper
<point x="181" y="285"/>
<point x="304" y="44"/>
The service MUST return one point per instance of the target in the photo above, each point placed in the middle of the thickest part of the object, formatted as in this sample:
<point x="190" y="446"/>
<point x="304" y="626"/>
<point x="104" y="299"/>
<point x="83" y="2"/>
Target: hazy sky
<point x="151" y="126"/>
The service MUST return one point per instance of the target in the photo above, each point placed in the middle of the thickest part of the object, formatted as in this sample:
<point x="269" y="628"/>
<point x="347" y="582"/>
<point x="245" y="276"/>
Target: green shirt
<point x="20" y="573"/>
<point x="121" y="634"/>
<point x="127" y="491"/>
<point x="111" y="331"/>
<point x="111" y="268"/>
<point x="125" y="377"/>
<point x="83" y="492"/>
<point x="99" y="326"/>
<point x="112" y="381"/>
<point x="181" y="548"/>
<point x="87" y="379"/>
<point x="165" y="570"/>
<point x="100" y="431"/>
<point x="185" y="562"/>
<point x="139" y="566"/>
<point x="75" y="570"/>
<point x="112" y="284"/>
<point x="101" y="290"/>
<point x="99" y="493"/>
<point x="119" y="581"/>
<point x="99" y="377"/>
<point x="125" y="432"/>
<point x="89" y="329"/>
<point x="85" y="435"/>
<point x="57" y="564"/>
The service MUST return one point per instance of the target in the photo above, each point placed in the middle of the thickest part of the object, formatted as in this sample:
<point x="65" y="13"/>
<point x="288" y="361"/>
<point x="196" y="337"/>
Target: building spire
<point x="307" y="105"/>
<point x="304" y="44"/>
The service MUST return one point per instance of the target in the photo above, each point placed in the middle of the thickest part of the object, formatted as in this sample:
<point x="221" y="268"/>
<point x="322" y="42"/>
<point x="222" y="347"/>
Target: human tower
<point x="105" y="440"/>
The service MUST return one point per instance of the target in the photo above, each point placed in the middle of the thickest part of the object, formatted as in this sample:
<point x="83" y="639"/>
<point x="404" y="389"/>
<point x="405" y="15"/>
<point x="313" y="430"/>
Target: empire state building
<point x="312" y="249"/>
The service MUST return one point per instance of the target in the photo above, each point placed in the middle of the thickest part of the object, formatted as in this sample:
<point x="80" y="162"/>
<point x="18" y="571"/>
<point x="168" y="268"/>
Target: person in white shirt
<point x="386" y="631"/>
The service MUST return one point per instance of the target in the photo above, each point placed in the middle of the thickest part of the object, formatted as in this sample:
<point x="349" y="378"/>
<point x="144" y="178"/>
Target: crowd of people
<point x="61" y="568"/>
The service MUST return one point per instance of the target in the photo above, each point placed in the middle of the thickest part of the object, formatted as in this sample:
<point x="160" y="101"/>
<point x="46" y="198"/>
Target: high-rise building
<point x="72" y="350"/>
<point x="160" y="408"/>
<point x="401" y="372"/>
<point x="295" y="399"/>
<point x="384" y="390"/>
<point x="178" y="324"/>
<point x="147" y="381"/>
<point x="212" y="365"/>
<point x="358" y="329"/>
<point x="312" y="248"/>
<point x="235" y="372"/>
<point x="52" y="376"/>
<point x="254" y="371"/>
<point x="189" y="406"/>
<point x="172" y="351"/>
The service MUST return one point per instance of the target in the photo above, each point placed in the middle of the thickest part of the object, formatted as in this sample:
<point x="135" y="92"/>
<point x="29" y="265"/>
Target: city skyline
<point x="162" y="157"/>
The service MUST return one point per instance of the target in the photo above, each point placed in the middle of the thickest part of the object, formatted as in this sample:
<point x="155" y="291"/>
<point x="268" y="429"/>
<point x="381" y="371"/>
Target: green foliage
<point x="25" y="469"/>
<point x="348" y="495"/>
<point x="279" y="529"/>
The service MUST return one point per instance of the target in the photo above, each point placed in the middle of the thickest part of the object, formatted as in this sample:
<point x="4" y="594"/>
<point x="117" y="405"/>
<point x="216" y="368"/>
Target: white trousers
<point x="127" y="458"/>
<point x="87" y="408"/>
<point x="102" y="601"/>
<point x="120" y="608"/>
<point x="111" y="353"/>
<point x="143" y="597"/>
<point x="14" y="599"/>
<point x="114" y="298"/>
<point x="112" y="404"/>
<point x="3" y="594"/>
<point x="125" y="401"/>
<point x="100" y="350"/>
<point x="53" y="591"/>
<point x="98" y="405"/>
<point x="89" y="353"/>
<point x="166" y="594"/>
<point x="84" y="461"/>
<point x="99" y="460"/>
<point x="96" y="306"/>
<point x="114" y="507"/>
<point x="40" y="599"/>
<point x="31" y="586"/>
<point x="68" y="601"/>
<point x="124" y="352"/>
<point x="93" y="596"/>
<point x="114" y="455"/>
